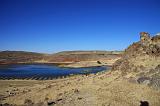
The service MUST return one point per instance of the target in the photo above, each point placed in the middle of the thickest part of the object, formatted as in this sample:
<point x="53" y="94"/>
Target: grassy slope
<point x="102" y="89"/>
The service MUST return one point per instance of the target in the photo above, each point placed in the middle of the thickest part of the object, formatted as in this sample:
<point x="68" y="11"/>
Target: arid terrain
<point x="103" y="89"/>
<point x="64" y="59"/>
<point x="134" y="80"/>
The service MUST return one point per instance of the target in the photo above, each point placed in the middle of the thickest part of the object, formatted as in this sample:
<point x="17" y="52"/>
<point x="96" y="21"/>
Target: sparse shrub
<point x="28" y="102"/>
<point x="51" y="103"/>
<point x="76" y="91"/>
<point x="6" y="104"/>
<point x="143" y="79"/>
<point x="144" y="103"/>
<point x="99" y="62"/>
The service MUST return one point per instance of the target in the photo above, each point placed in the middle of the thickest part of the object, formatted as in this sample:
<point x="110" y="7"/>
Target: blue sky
<point x="56" y="25"/>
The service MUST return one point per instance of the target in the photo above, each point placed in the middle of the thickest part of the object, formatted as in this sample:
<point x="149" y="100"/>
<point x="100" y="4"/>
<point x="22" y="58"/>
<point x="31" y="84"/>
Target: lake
<point x="43" y="71"/>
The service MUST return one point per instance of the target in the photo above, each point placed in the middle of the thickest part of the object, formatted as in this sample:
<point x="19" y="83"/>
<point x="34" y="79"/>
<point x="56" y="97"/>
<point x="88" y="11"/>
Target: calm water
<point x="43" y="72"/>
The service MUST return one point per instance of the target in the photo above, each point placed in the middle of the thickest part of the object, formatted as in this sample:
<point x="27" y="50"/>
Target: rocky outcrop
<point x="142" y="60"/>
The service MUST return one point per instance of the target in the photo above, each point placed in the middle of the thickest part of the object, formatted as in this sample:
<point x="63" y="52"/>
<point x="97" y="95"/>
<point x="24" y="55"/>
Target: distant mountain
<point x="11" y="57"/>
<point x="91" y="52"/>
<point x="75" y="56"/>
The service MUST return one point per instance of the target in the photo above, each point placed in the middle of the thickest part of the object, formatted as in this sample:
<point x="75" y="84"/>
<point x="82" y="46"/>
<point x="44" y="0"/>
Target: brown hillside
<point x="76" y="56"/>
<point x="141" y="60"/>
<point x="8" y="57"/>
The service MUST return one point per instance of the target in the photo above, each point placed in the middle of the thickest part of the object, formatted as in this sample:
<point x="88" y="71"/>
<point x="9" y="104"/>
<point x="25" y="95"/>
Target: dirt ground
<point x="102" y="89"/>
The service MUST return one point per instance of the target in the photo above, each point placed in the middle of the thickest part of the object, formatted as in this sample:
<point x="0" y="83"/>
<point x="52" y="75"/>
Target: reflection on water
<point x="43" y="72"/>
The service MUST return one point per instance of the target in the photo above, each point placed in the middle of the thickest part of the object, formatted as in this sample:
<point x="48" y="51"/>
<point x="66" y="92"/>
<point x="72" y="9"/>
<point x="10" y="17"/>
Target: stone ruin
<point x="145" y="38"/>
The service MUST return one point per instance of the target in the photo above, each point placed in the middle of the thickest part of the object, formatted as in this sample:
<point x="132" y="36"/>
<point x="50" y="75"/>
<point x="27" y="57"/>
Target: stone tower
<point x="145" y="38"/>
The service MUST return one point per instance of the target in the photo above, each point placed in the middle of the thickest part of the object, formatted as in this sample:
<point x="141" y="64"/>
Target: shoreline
<point x="53" y="77"/>
<point x="60" y="64"/>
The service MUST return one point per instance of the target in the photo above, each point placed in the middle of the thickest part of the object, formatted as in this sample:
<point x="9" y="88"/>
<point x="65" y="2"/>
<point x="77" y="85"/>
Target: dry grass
<point x="106" y="89"/>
